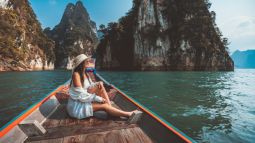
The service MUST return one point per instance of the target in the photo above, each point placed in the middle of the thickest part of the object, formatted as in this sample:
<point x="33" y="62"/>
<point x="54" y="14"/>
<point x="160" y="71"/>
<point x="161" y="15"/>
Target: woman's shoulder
<point x="76" y="75"/>
<point x="76" y="79"/>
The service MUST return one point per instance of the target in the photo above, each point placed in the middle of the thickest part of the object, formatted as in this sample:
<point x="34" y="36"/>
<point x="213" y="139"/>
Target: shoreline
<point x="34" y="70"/>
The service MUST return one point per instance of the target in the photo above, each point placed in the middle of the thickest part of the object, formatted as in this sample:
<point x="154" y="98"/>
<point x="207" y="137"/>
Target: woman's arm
<point x="76" y="80"/>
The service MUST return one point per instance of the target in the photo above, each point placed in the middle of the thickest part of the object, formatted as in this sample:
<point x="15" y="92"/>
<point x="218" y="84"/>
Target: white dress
<point x="79" y="103"/>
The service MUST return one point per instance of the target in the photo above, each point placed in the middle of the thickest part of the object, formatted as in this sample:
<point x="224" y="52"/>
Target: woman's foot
<point x="135" y="116"/>
<point x="131" y="112"/>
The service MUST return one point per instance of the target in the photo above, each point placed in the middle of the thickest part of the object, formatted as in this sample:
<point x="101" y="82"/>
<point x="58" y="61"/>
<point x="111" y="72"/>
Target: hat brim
<point x="87" y="58"/>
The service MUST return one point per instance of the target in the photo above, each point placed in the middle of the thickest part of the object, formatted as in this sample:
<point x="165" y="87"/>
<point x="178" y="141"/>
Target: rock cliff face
<point x="75" y="34"/>
<point x="23" y="45"/>
<point x="165" y="35"/>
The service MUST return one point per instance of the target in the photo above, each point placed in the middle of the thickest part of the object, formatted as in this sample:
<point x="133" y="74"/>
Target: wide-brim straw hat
<point x="78" y="60"/>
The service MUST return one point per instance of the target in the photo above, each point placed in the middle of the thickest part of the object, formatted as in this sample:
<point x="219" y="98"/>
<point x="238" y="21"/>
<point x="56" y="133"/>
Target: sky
<point x="235" y="18"/>
<point x="49" y="12"/>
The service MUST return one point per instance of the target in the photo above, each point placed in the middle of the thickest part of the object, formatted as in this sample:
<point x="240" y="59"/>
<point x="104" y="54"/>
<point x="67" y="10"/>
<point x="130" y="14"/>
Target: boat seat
<point x="32" y="128"/>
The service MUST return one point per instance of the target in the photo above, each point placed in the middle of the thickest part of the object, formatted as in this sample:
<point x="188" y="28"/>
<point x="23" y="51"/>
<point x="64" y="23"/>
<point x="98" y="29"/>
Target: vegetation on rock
<point x="23" y="45"/>
<point x="75" y="34"/>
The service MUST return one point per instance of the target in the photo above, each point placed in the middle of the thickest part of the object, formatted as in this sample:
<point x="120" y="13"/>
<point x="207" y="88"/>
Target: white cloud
<point x="239" y="27"/>
<point x="240" y="31"/>
<point x="237" y="22"/>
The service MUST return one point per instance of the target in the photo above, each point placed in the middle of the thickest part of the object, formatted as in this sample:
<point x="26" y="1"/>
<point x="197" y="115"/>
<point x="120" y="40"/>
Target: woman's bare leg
<point x="100" y="91"/>
<point x="111" y="110"/>
<point x="104" y="93"/>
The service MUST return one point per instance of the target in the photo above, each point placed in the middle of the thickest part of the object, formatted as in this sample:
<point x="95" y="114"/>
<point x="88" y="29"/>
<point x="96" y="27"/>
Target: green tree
<point x="101" y="27"/>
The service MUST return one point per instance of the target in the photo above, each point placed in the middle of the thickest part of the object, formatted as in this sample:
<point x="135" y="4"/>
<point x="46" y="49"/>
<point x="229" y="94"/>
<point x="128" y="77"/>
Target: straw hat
<point x="78" y="60"/>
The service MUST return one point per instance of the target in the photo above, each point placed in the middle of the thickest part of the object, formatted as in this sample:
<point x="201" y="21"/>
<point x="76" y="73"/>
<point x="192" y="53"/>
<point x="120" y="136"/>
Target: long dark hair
<point x="80" y="70"/>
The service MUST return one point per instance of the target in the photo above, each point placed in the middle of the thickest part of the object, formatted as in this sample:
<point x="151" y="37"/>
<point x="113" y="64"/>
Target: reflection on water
<point x="19" y="90"/>
<point x="208" y="106"/>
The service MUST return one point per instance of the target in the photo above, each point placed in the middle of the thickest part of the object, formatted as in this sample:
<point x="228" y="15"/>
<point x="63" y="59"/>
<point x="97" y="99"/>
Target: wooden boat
<point x="48" y="121"/>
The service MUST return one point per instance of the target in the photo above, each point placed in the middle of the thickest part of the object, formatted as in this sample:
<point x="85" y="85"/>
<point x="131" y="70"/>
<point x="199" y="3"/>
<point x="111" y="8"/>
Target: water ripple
<point x="208" y="106"/>
<point x="19" y="90"/>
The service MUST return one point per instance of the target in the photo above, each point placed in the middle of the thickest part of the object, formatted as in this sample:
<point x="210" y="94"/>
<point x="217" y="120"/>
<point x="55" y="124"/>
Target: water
<point x="19" y="90"/>
<point x="207" y="106"/>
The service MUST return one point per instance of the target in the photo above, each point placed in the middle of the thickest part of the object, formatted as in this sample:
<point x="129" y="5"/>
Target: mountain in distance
<point x="244" y="59"/>
<point x="75" y="34"/>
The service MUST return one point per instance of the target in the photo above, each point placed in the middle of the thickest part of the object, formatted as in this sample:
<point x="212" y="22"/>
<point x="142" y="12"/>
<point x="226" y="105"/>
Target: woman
<point x="87" y="97"/>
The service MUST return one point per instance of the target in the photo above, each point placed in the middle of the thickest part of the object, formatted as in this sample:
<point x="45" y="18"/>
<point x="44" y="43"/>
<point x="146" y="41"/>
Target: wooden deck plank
<point x="114" y="137"/>
<point x="81" y="129"/>
<point x="72" y="139"/>
<point x="129" y="135"/>
<point x="59" y="140"/>
<point x="75" y="130"/>
<point x="141" y="135"/>
<point x="35" y="142"/>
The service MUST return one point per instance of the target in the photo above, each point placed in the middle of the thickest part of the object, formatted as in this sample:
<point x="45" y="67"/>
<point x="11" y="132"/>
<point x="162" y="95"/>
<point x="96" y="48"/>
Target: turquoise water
<point x="207" y="106"/>
<point x="19" y="90"/>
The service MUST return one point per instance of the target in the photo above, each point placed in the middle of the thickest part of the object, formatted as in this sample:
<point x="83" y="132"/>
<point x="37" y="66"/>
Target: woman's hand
<point x="100" y="85"/>
<point x="103" y="101"/>
<point x="90" y="90"/>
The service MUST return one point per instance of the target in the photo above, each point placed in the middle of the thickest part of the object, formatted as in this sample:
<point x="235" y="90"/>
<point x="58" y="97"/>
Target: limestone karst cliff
<point x="75" y="34"/>
<point x="165" y="35"/>
<point x="23" y="45"/>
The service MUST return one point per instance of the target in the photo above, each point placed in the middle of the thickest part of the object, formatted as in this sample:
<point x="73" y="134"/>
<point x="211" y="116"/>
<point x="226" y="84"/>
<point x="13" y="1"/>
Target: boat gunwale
<point x="20" y="117"/>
